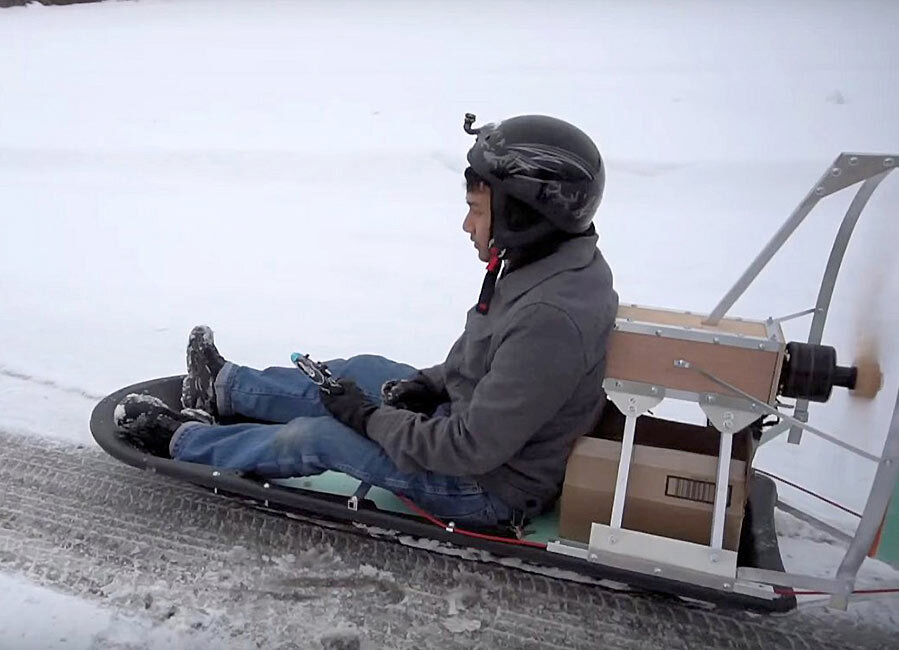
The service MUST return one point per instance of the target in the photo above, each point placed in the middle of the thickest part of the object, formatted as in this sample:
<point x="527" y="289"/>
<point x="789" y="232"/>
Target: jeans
<point x="306" y="440"/>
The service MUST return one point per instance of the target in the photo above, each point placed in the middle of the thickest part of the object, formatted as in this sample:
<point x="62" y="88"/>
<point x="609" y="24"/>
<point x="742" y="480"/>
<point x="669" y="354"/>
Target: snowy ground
<point x="290" y="174"/>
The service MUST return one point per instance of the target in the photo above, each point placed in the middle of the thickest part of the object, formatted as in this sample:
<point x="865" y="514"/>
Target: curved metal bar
<point x="825" y="293"/>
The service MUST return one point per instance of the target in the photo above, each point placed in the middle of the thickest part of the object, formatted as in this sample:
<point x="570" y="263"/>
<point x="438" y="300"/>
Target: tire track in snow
<point x="79" y="521"/>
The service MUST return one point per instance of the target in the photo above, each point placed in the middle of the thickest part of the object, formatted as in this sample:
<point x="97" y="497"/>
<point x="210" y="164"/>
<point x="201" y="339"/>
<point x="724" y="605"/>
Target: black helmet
<point x="537" y="164"/>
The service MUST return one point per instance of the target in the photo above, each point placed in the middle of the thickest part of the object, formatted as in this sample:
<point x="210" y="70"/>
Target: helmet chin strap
<point x="488" y="287"/>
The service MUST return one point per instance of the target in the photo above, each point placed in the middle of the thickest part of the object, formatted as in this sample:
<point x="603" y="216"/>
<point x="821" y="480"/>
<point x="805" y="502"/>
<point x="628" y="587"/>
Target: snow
<point x="290" y="173"/>
<point x="37" y="618"/>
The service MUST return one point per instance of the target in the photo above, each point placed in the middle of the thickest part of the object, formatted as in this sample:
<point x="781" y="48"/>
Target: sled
<point x="735" y="370"/>
<point x="333" y="497"/>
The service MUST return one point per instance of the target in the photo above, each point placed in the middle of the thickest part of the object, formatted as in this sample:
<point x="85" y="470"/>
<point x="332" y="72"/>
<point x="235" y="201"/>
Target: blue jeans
<point x="307" y="440"/>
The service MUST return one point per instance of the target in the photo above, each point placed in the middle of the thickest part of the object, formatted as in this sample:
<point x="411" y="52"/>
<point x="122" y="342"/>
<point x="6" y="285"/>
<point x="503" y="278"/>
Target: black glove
<point x="351" y="406"/>
<point x="416" y="394"/>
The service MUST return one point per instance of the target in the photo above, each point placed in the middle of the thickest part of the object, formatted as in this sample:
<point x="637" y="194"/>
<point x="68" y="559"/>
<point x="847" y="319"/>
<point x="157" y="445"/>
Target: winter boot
<point x="149" y="424"/>
<point x="203" y="365"/>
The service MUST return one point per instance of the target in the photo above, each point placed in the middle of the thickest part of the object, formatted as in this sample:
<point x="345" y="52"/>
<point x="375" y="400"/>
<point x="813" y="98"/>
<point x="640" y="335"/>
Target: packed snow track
<point x="228" y="575"/>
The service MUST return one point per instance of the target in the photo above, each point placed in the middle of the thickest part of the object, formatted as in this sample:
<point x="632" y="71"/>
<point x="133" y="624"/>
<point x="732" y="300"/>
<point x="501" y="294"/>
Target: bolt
<point x="836" y="171"/>
<point x="888" y="162"/>
<point x="853" y="161"/>
<point x="653" y="390"/>
<point x="716" y="339"/>
<point x="714" y="558"/>
<point x="593" y="556"/>
<point x="888" y="462"/>
<point x="266" y="485"/>
<point x="657" y="571"/>
<point x="819" y="191"/>
<point x="658" y="332"/>
<point x="728" y="424"/>
<point x="710" y="398"/>
<point x="612" y="539"/>
<point x="761" y="346"/>
<point x="726" y="585"/>
<point x="632" y="409"/>
<point x="617" y="384"/>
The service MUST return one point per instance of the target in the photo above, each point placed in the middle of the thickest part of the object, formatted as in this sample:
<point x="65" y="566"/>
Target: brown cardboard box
<point x="671" y="486"/>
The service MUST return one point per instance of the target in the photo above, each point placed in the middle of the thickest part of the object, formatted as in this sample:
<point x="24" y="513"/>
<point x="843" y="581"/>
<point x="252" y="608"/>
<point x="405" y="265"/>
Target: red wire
<point x="525" y="542"/>
<point x="468" y="533"/>
<point x="809" y="492"/>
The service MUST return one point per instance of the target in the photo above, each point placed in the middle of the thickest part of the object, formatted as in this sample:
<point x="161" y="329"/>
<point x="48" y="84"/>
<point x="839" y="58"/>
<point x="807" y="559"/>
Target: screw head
<point x="836" y="171"/>
<point x="716" y="339"/>
<point x="819" y="191"/>
<point x="593" y="556"/>
<point x="653" y="390"/>
<point x="216" y="473"/>
<point x="617" y="384"/>
<point x="761" y="346"/>
<point x="853" y="161"/>
<point x="726" y="585"/>
<point x="658" y="332"/>
<point x="888" y="162"/>
<point x="266" y="485"/>
<point x="612" y="539"/>
<point x="657" y="571"/>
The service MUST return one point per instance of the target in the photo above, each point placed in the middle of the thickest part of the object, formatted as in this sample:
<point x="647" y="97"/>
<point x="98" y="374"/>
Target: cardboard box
<point x="671" y="487"/>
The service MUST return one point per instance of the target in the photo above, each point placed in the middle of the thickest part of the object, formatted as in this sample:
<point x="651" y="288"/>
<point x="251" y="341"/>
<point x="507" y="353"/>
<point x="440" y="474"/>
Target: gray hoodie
<point x="524" y="380"/>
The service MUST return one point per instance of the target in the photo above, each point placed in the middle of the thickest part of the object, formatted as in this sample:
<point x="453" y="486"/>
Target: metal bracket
<point x="633" y="406"/>
<point x="662" y="556"/>
<point x="360" y="493"/>
<point x="728" y="415"/>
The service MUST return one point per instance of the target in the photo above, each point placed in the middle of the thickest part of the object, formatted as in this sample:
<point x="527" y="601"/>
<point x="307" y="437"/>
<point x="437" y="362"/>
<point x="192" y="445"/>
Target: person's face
<point x="477" y="221"/>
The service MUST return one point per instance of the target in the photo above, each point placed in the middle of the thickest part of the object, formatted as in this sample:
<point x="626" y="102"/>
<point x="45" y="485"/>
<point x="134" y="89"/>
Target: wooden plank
<point x="650" y="359"/>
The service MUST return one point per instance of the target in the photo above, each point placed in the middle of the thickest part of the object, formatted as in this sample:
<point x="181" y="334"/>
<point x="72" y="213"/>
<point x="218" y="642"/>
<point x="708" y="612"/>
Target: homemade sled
<point x="332" y="496"/>
<point x="735" y="370"/>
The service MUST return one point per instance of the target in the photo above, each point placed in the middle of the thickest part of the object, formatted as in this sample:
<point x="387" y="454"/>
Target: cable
<point x="468" y="533"/>
<point x="809" y="492"/>
<point x="790" y="592"/>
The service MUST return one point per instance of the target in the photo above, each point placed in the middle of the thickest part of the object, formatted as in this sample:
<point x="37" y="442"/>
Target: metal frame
<point x="847" y="170"/>
<point x="733" y="410"/>
<point x="768" y="343"/>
